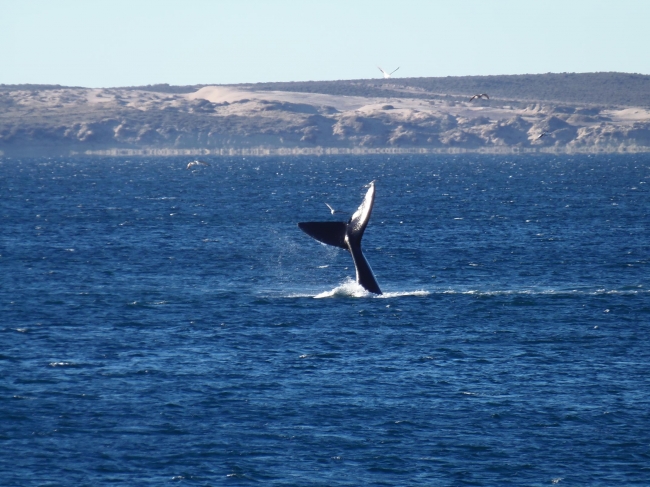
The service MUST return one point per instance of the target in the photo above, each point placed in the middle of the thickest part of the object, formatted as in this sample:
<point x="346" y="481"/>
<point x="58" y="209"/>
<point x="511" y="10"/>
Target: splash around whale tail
<point x="348" y="236"/>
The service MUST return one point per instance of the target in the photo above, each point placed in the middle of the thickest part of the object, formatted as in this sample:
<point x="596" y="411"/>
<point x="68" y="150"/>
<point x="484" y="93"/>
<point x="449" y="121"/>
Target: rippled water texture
<point x="158" y="325"/>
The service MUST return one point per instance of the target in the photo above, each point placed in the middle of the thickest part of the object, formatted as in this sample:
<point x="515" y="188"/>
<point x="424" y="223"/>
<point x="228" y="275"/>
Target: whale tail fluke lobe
<point x="348" y="236"/>
<point x="330" y="233"/>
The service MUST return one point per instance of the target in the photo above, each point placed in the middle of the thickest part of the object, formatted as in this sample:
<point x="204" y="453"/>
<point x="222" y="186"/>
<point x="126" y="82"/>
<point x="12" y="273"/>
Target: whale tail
<point x="330" y="233"/>
<point x="348" y="236"/>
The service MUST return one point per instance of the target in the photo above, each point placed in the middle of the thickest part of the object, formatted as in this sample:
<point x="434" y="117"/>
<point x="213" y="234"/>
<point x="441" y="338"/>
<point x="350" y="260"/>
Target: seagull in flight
<point x="332" y="210"/>
<point x="479" y="96"/>
<point x="197" y="163"/>
<point x="387" y="75"/>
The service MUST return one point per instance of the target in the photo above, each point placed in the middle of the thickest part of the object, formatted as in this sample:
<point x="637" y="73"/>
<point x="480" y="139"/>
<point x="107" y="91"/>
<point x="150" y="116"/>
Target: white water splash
<point x="399" y="294"/>
<point x="350" y="288"/>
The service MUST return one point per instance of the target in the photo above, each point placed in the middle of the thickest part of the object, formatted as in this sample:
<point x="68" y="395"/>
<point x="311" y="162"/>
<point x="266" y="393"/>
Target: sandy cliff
<point x="61" y="121"/>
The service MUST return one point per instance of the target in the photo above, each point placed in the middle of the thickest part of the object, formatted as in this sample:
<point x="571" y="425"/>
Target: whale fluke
<point x="348" y="236"/>
<point x="330" y="233"/>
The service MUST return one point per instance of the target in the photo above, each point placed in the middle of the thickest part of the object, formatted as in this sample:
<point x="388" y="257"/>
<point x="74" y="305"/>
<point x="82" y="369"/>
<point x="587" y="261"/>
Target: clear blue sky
<point x="100" y="43"/>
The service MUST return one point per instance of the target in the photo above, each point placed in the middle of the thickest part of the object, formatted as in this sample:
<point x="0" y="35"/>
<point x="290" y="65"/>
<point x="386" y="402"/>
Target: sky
<point x="115" y="43"/>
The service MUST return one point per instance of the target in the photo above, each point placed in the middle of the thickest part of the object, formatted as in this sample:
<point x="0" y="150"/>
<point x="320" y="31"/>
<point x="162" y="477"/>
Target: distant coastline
<point x="551" y="113"/>
<point x="326" y="151"/>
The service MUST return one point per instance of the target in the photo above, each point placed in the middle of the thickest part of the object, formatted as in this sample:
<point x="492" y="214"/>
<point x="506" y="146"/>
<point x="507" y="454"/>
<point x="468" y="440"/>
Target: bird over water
<point x="197" y="163"/>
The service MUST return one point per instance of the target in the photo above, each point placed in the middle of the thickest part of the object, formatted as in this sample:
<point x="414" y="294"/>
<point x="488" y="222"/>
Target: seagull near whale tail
<point x="332" y="210"/>
<point x="348" y="236"/>
<point x="387" y="75"/>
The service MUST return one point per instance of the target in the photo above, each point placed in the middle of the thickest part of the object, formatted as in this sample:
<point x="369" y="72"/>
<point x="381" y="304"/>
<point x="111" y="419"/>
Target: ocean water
<point x="165" y="326"/>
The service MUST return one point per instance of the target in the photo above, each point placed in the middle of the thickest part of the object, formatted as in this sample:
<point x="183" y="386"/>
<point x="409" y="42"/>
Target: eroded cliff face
<point x="68" y="120"/>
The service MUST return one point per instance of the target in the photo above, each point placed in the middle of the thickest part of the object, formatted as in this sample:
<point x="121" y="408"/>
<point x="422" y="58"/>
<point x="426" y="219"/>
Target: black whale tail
<point x="330" y="233"/>
<point x="348" y="236"/>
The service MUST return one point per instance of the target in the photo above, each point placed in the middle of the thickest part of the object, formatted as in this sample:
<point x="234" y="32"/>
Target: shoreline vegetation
<point x="565" y="113"/>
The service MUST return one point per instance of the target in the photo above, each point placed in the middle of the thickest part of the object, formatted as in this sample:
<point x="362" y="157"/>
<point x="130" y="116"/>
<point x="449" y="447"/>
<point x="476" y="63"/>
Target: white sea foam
<point x="350" y="288"/>
<point x="539" y="292"/>
<point x="399" y="294"/>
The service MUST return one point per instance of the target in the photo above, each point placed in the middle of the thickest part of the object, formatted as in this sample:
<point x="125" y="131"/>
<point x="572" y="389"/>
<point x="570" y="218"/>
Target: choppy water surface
<point x="158" y="325"/>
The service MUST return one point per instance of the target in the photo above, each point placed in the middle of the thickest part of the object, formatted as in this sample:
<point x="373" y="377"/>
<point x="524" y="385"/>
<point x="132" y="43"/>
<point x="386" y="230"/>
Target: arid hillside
<point x="554" y="112"/>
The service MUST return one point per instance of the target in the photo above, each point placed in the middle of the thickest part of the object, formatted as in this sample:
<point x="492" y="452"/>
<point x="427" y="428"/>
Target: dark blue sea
<point x="166" y="326"/>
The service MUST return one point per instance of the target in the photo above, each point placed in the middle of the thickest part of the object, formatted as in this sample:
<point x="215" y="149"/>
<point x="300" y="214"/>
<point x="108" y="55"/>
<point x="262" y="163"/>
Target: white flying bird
<point x="197" y="163"/>
<point x="332" y="210"/>
<point x="387" y="75"/>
